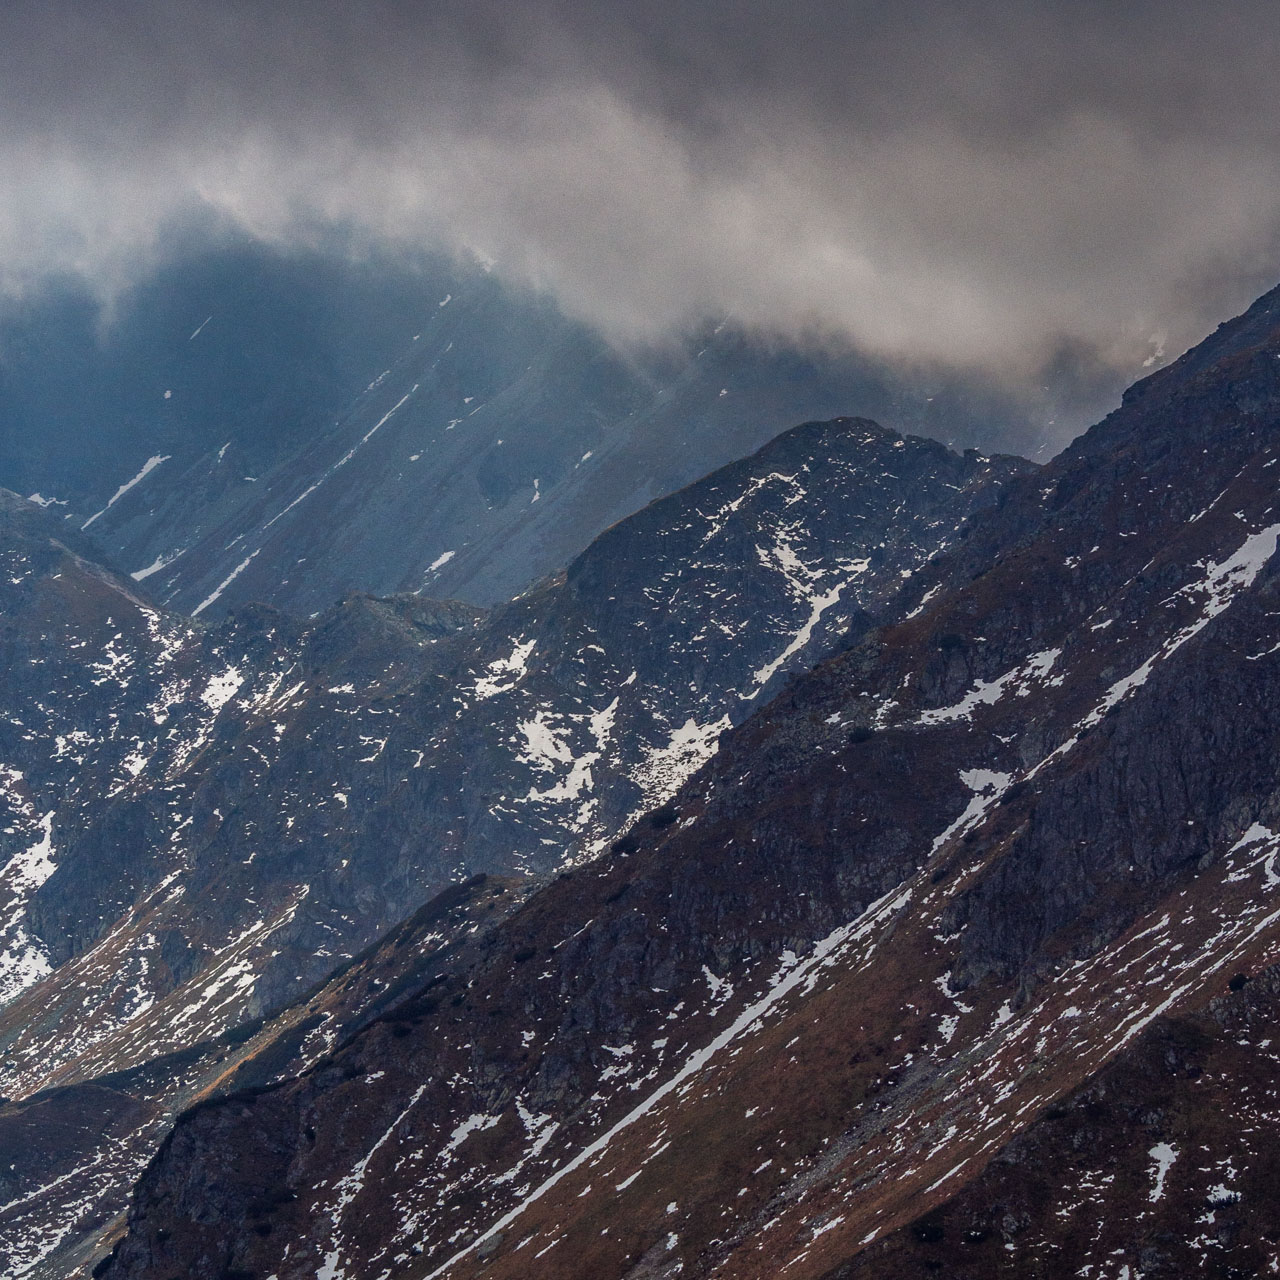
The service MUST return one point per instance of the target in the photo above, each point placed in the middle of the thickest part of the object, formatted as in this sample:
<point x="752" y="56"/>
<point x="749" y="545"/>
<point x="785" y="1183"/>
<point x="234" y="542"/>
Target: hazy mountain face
<point x="255" y="426"/>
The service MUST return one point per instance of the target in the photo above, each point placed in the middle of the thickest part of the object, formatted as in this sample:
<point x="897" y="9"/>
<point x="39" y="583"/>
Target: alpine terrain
<point x="639" y="641"/>
<point x="953" y="951"/>
<point x="204" y="821"/>
<point x="254" y="425"/>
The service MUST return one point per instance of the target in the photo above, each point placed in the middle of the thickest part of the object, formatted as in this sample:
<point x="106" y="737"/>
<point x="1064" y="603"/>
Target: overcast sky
<point x="977" y="183"/>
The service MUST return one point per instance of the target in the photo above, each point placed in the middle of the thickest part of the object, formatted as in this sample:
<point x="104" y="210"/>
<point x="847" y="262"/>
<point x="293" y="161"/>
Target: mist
<point x="976" y="185"/>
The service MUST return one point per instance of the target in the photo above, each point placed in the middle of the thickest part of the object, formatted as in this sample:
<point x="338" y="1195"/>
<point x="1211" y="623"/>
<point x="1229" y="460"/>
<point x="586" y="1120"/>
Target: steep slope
<point x="71" y="1151"/>
<point x="98" y="688"/>
<point x="251" y="426"/>
<point x="994" y="863"/>
<point x="1164" y="1161"/>
<point x="397" y="745"/>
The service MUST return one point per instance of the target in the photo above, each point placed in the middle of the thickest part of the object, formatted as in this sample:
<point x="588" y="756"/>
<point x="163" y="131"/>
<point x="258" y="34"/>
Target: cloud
<point x="981" y="184"/>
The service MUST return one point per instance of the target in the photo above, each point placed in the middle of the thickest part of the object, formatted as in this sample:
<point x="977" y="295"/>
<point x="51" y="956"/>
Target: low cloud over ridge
<point x="979" y="184"/>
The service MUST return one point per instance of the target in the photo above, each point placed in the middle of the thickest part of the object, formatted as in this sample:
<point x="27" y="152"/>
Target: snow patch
<point x="224" y="584"/>
<point x="664" y="768"/>
<point x="987" y="692"/>
<point x="221" y="689"/>
<point x="505" y="673"/>
<point x="155" y="566"/>
<point x="1164" y="1155"/>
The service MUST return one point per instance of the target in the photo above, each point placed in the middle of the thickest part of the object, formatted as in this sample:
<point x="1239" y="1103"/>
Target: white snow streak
<point x="224" y="584"/>
<point x="147" y="468"/>
<point x="342" y="462"/>
<point x="824" y="951"/>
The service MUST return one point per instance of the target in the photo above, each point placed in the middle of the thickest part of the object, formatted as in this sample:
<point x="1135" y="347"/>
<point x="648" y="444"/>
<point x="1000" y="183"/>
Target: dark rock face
<point x="863" y="998"/>
<point x="71" y="1151"/>
<point x="266" y="798"/>
<point x="99" y="688"/>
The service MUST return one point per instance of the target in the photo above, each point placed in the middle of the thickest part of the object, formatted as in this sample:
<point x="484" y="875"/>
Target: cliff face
<point x="949" y="959"/>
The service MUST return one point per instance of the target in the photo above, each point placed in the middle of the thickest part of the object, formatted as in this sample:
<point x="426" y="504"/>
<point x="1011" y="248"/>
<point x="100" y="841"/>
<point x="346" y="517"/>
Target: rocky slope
<point x="946" y="960"/>
<point x="70" y="1152"/>
<point x="248" y="805"/>
<point x="99" y="689"/>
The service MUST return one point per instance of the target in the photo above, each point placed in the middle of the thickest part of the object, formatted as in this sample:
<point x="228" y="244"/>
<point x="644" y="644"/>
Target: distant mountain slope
<point x="303" y="788"/>
<point x="250" y="426"/>
<point x="946" y="960"/>
<point x="98" y="689"/>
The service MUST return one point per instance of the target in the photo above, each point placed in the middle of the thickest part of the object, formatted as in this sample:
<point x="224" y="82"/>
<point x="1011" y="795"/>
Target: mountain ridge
<point x="292" y="788"/>
<point x="945" y="877"/>
<point x="247" y="424"/>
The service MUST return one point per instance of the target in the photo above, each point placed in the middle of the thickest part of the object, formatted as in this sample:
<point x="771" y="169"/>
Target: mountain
<point x="957" y="957"/>
<point x="234" y="810"/>
<point x="252" y="426"/>
<point x="99" y="689"/>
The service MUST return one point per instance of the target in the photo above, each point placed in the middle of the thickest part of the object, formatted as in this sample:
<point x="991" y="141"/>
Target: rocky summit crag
<point x="958" y="957"/>
<point x="204" y="820"/>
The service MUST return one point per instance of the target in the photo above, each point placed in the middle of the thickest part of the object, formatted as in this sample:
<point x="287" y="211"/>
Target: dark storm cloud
<point x="979" y="183"/>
